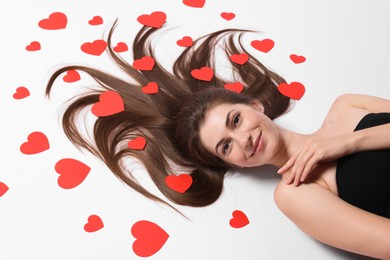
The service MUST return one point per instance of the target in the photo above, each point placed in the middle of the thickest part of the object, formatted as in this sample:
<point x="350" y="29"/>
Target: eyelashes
<point x="235" y="121"/>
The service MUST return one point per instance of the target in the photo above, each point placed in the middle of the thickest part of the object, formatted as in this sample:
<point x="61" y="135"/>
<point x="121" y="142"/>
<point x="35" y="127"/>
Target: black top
<point x="363" y="178"/>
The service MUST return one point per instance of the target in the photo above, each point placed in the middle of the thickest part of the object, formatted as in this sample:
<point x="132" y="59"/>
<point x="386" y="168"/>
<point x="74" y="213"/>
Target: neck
<point x="289" y="142"/>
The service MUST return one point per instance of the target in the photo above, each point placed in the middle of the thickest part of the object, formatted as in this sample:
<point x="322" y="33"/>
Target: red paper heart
<point x="239" y="219"/>
<point x="71" y="76"/>
<point x="21" y="92"/>
<point x="240" y="58"/>
<point x="204" y="73"/>
<point x="150" y="88"/>
<point x="155" y="19"/>
<point x="33" y="46"/>
<point x="96" y="20"/>
<point x="36" y="142"/>
<point x="145" y="63"/>
<point x="137" y="143"/>
<point x="55" y="21"/>
<point x="228" y="16"/>
<point x="96" y="47"/>
<point x="297" y="59"/>
<point x="149" y="236"/>
<point x="94" y="224"/>
<point x="294" y="90"/>
<point x="72" y="172"/>
<point x="110" y="103"/>
<point x="179" y="183"/>
<point x="194" y="3"/>
<point x="236" y="87"/>
<point x="186" y="41"/>
<point x="3" y="188"/>
<point x="264" y="45"/>
<point x="121" y="47"/>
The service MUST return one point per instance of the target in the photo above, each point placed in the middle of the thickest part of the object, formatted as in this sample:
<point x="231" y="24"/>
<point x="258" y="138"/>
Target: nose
<point x="243" y="139"/>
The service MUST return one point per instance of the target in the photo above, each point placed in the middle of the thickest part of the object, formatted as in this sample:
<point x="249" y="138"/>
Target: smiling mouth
<point x="256" y="144"/>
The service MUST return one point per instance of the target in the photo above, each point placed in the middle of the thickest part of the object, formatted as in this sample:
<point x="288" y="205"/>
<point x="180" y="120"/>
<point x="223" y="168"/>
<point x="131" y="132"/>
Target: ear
<point x="257" y="105"/>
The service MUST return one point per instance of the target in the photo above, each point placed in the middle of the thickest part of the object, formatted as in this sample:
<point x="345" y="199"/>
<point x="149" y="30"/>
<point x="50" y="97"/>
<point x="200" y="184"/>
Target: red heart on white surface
<point x="264" y="45"/>
<point x="21" y="92"/>
<point x="155" y="19"/>
<point x="36" y="142"/>
<point x="179" y="183"/>
<point x="110" y="103"/>
<point x="297" y="58"/>
<point x="137" y="143"/>
<point x="204" y="73"/>
<point x="121" y="47"/>
<point x="94" y="224"/>
<point x="236" y="87"/>
<point x="294" y="90"/>
<point x="72" y="172"/>
<point x="194" y="3"/>
<point x="239" y="58"/>
<point x="33" y="46"/>
<point x="71" y="76"/>
<point x="145" y="63"/>
<point x="96" y="20"/>
<point x="3" y="188"/>
<point x="228" y="16"/>
<point x="96" y="47"/>
<point x="55" y="21"/>
<point x="186" y="41"/>
<point x="150" y="238"/>
<point x="239" y="219"/>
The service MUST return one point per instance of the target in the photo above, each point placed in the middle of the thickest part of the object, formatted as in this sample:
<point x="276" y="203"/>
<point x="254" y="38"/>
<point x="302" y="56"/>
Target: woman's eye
<point x="236" y="120"/>
<point x="226" y="147"/>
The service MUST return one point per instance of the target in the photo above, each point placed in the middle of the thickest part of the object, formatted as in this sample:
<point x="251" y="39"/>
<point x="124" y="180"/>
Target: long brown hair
<point x="156" y="116"/>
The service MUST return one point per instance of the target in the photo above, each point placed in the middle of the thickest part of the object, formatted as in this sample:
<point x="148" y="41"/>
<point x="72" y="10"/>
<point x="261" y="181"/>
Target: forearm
<point x="373" y="138"/>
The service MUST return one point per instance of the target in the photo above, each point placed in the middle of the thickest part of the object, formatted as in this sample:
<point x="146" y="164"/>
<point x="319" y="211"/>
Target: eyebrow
<point x="227" y="126"/>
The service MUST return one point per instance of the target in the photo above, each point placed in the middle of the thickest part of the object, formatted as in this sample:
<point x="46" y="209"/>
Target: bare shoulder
<point x="358" y="101"/>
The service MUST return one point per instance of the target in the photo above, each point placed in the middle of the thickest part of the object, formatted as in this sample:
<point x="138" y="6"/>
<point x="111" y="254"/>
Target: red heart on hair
<point x="239" y="219"/>
<point x="55" y="21"/>
<point x="145" y="63"/>
<point x="71" y="76"/>
<point x="137" y="143"/>
<point x="72" y="172"/>
<point x="236" y="87"/>
<point x="194" y="3"/>
<point x="94" y="224"/>
<point x="228" y="16"/>
<point x="121" y="47"/>
<point x="36" y="142"/>
<point x="186" y="41"/>
<point x="264" y="45"/>
<point x="21" y="92"/>
<point x="297" y="59"/>
<point x="150" y="88"/>
<point x="204" y="73"/>
<point x="96" y="47"/>
<point x="239" y="58"/>
<point x="110" y="103"/>
<point x="294" y="90"/>
<point x="149" y="236"/>
<point x="34" y="46"/>
<point x="3" y="188"/>
<point x="179" y="183"/>
<point x="96" y="20"/>
<point x="155" y="19"/>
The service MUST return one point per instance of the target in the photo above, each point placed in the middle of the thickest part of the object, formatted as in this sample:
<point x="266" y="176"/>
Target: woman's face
<point x="240" y="134"/>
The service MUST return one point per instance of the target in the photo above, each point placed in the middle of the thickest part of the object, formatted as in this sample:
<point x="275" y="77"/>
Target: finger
<point x="309" y="167"/>
<point x="286" y="166"/>
<point x="301" y="166"/>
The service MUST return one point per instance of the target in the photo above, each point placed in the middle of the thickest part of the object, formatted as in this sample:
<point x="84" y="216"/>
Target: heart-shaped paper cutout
<point x="55" y="21"/>
<point x="241" y="58"/>
<point x="96" y="47"/>
<point x="145" y="63"/>
<point x="121" y="47"/>
<point x="179" y="183"/>
<point x="239" y="219"/>
<point x="155" y="19"/>
<point x="294" y="90"/>
<point x="21" y="92"/>
<point x="149" y="236"/>
<point x="94" y="224"/>
<point x="3" y="188"/>
<point x="71" y="76"/>
<point x="186" y="41"/>
<point x="137" y="143"/>
<point x="96" y="20"/>
<point x="228" y="16"/>
<point x="36" y="142"/>
<point x="150" y="88"/>
<point x="297" y="58"/>
<point x="194" y="3"/>
<point x="72" y="172"/>
<point x="110" y="103"/>
<point x="236" y="87"/>
<point x="204" y="73"/>
<point x="264" y="45"/>
<point x="33" y="46"/>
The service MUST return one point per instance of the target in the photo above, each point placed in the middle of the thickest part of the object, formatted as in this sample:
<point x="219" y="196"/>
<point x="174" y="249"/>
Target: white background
<point x="346" y="44"/>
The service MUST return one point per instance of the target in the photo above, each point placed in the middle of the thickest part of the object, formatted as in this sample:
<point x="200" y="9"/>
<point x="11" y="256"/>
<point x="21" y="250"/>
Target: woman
<point x="199" y="126"/>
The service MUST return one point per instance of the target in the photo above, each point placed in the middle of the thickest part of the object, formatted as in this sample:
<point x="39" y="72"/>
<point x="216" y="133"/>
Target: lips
<point x="256" y="144"/>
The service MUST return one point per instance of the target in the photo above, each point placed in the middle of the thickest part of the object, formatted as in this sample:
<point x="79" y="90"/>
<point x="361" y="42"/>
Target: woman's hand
<point x="315" y="151"/>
